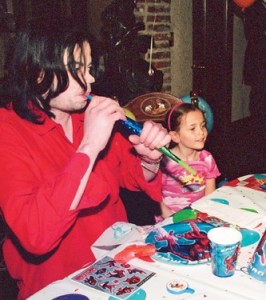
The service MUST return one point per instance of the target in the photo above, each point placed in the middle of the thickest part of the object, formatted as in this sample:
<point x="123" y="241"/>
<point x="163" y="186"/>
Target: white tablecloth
<point x="199" y="277"/>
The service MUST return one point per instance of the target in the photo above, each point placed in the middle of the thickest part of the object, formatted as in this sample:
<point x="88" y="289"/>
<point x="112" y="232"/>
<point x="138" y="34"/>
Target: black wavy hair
<point x="37" y="50"/>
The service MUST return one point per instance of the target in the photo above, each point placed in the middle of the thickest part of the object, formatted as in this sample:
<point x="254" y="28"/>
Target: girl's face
<point x="74" y="98"/>
<point x="193" y="132"/>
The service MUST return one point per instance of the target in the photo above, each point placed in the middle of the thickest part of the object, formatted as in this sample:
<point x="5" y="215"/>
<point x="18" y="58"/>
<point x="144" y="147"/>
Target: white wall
<point x="181" y="52"/>
<point x="240" y="91"/>
<point x="181" y="58"/>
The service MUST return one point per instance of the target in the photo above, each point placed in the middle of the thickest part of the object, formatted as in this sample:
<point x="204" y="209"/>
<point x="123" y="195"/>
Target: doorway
<point x="218" y="52"/>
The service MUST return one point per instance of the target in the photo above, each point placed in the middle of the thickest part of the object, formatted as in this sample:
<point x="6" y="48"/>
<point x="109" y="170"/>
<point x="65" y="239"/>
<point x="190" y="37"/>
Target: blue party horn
<point x="136" y="128"/>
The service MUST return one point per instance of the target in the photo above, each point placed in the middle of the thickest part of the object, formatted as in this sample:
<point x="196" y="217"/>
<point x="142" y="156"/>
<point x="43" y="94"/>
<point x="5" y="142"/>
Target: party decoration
<point x="177" y="287"/>
<point x="118" y="280"/>
<point x="184" y="243"/>
<point x="129" y="114"/>
<point x="244" y="3"/>
<point x="257" y="266"/>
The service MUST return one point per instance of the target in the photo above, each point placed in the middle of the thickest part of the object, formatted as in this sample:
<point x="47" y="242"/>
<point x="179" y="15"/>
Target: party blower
<point x="136" y="128"/>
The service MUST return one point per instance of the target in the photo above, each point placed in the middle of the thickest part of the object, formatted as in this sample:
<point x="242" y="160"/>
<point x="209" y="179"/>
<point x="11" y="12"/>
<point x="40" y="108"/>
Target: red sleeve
<point x="38" y="213"/>
<point x="38" y="186"/>
<point x="130" y="171"/>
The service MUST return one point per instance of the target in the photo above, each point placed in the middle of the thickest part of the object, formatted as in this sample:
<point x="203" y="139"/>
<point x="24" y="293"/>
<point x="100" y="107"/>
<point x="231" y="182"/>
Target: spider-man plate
<point x="181" y="243"/>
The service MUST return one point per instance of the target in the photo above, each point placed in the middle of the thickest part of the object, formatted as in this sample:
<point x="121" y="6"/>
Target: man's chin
<point x="82" y="106"/>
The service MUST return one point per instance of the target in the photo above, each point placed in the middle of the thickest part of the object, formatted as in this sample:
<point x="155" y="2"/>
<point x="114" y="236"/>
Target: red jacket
<point x="40" y="172"/>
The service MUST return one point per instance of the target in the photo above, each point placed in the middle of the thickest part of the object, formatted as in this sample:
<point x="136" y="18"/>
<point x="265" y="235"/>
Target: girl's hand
<point x="100" y="117"/>
<point x="153" y="136"/>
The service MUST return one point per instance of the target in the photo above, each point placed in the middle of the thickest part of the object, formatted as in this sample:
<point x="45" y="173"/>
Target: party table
<point x="241" y="203"/>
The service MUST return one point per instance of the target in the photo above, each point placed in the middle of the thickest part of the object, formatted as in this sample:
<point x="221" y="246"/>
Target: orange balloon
<point x="244" y="3"/>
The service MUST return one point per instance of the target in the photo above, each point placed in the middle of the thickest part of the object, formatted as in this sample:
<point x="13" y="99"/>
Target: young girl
<point x="187" y="127"/>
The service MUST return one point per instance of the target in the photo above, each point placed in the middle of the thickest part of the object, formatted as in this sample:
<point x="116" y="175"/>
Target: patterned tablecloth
<point x="234" y="203"/>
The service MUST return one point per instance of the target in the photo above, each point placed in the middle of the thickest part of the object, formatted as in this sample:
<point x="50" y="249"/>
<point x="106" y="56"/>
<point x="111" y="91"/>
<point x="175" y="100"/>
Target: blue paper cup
<point x="225" y="244"/>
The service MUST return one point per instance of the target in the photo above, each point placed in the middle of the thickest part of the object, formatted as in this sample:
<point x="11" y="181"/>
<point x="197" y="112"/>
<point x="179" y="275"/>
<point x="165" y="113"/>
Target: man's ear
<point x="40" y="77"/>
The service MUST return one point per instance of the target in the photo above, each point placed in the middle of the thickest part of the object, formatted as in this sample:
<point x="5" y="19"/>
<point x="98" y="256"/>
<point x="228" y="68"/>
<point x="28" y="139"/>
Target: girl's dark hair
<point x="37" y="50"/>
<point x="177" y="114"/>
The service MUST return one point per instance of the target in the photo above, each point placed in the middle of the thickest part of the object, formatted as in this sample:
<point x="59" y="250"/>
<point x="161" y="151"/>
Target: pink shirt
<point x="40" y="173"/>
<point x="179" y="187"/>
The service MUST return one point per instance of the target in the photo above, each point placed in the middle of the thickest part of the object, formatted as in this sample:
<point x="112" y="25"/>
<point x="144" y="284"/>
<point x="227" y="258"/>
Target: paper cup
<point x="224" y="248"/>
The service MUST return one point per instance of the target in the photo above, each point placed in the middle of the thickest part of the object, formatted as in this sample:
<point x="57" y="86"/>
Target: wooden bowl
<point x="152" y="106"/>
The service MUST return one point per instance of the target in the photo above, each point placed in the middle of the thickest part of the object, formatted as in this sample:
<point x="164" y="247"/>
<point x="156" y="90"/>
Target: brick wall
<point x="156" y="16"/>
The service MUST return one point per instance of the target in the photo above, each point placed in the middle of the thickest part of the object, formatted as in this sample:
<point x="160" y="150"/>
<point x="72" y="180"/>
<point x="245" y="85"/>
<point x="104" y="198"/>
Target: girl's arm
<point x="210" y="186"/>
<point x="166" y="212"/>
